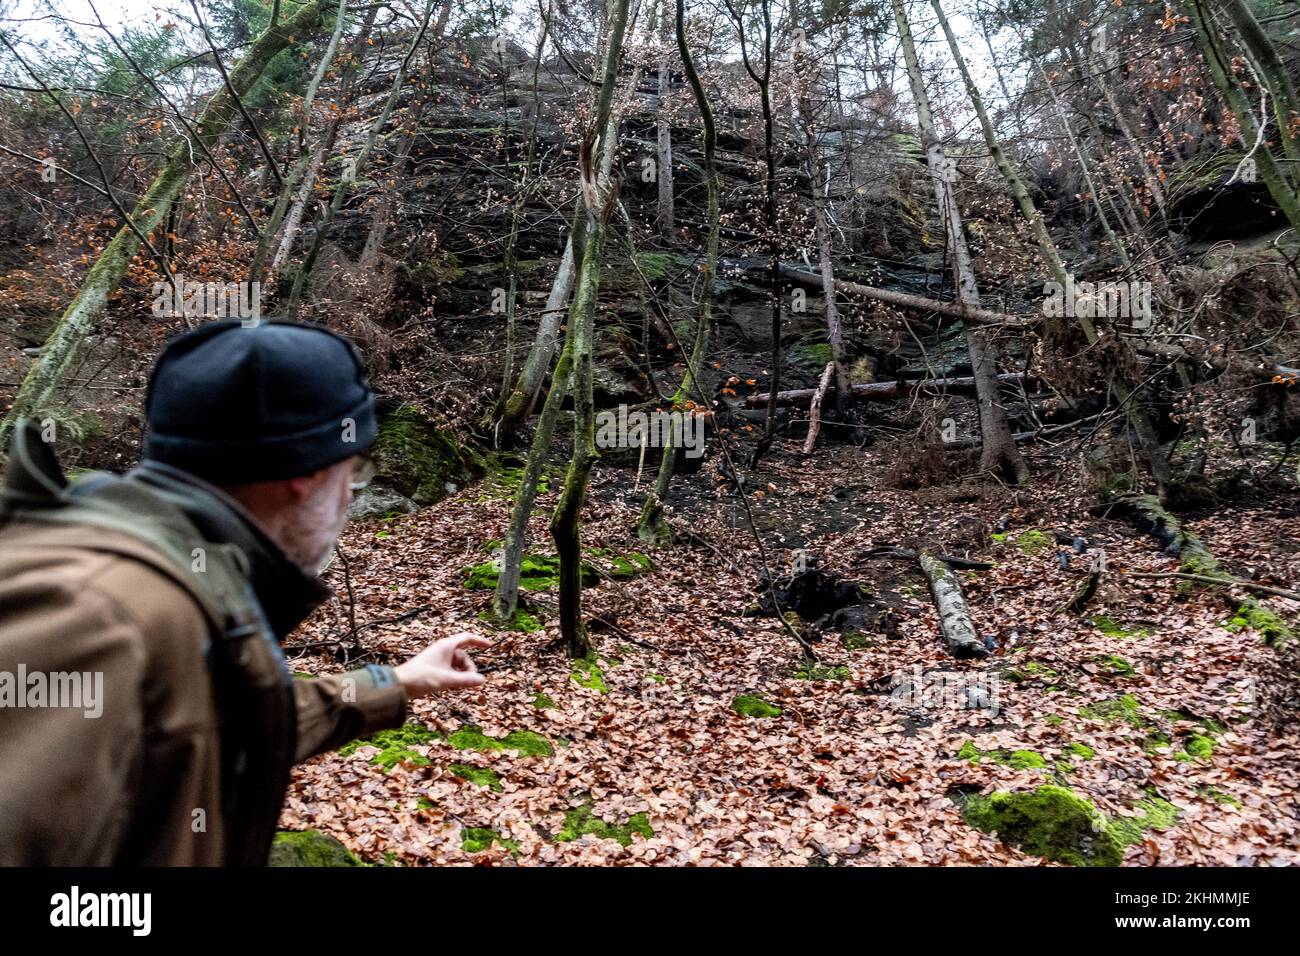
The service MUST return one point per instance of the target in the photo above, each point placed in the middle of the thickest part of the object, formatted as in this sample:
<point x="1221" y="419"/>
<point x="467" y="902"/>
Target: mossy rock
<point x="811" y="357"/>
<point x="537" y="572"/>
<point x="1252" y="614"/>
<point x="751" y="705"/>
<point x="580" y="822"/>
<point x="543" y="701"/>
<point x="523" y="742"/>
<point x="420" y="461"/>
<point x="309" y="848"/>
<point x="1034" y="541"/>
<point x="1052" y="822"/>
<point x="856" y="640"/>
<point x="626" y="566"/>
<point x="1156" y="814"/>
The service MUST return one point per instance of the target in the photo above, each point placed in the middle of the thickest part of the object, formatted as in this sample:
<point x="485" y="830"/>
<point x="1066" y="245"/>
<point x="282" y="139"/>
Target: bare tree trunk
<point x="998" y="454"/>
<point x="532" y="375"/>
<point x="1138" y="418"/>
<point x="290" y="184"/>
<point x="665" y="218"/>
<point x="651" y="526"/>
<point x="91" y="301"/>
<point x="506" y="599"/>
<point x="566" y="522"/>
<point x="353" y="168"/>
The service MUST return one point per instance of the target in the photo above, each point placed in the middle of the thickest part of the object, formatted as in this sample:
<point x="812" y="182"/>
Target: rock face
<point x="419" y="461"/>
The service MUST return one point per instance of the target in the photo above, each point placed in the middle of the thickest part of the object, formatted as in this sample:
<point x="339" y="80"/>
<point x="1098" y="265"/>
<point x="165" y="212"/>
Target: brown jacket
<point x="141" y="781"/>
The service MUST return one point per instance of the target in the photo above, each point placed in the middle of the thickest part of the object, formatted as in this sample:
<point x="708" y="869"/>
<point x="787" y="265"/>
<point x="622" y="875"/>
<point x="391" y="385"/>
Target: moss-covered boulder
<point x="309" y="848"/>
<point x="1052" y="822"/>
<point x="537" y="572"/>
<point x="751" y="705"/>
<point x="420" y="461"/>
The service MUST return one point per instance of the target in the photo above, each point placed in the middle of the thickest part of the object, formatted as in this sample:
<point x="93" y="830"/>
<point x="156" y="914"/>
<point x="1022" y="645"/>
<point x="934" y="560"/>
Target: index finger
<point x="460" y="641"/>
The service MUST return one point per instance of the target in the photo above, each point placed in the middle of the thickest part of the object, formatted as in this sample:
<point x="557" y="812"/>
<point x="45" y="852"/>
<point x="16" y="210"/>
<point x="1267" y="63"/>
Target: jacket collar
<point x="286" y="592"/>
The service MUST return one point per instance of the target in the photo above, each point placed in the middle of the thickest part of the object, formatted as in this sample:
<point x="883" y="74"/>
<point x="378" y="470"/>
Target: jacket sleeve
<point x="334" y="710"/>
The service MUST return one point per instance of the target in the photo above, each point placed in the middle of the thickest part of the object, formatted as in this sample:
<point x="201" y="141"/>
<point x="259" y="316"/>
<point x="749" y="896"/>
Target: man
<point x="146" y="712"/>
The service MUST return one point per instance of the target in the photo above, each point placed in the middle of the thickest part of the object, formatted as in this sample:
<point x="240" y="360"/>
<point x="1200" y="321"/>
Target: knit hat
<point x="233" y="403"/>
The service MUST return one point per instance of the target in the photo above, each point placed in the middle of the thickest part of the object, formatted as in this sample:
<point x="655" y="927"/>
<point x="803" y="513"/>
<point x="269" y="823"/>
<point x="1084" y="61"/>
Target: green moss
<point x="478" y="839"/>
<point x="310" y="848"/>
<point x="521" y="741"/>
<point x="822" y="672"/>
<point x="424" y="803"/>
<point x="856" y="640"/>
<point x="1079" y="750"/>
<point x="751" y="705"/>
<point x="1157" y="814"/>
<point x="1125" y="708"/>
<point x="1115" y="665"/>
<point x="1052" y="822"/>
<point x="970" y="752"/>
<point x="521" y="621"/>
<point x="587" y="673"/>
<point x="483" y="776"/>
<point x="657" y="678"/>
<point x="420" y="461"/>
<point x="1053" y="720"/>
<point x="811" y="357"/>
<point x="1219" y="797"/>
<point x="395" y="746"/>
<point x="1033" y="541"/>
<point x="1251" y="614"/>
<point x="623" y="567"/>
<point x="1016" y="759"/>
<point x="537" y="572"/>
<point x="542" y="702"/>
<point x="580" y="822"/>
<point x="1031" y="669"/>
<point x="1109" y="627"/>
<point x="1200" y="746"/>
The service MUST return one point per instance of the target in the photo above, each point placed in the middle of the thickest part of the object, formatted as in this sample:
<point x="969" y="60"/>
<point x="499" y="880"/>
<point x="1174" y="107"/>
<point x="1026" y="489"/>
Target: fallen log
<point x="815" y="410"/>
<point x="1147" y="347"/>
<point x="954" y="620"/>
<point x="888" y="391"/>
<point x="1198" y="565"/>
<point x="908" y="301"/>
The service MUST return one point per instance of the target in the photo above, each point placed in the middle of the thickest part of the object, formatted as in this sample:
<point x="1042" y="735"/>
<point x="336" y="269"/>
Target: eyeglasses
<point x="363" y="471"/>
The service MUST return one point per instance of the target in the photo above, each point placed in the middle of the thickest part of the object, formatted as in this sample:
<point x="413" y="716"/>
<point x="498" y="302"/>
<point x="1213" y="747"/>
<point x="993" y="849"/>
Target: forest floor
<point x="1145" y="704"/>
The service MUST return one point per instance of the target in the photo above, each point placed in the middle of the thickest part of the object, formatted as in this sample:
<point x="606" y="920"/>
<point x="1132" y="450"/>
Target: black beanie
<point x="234" y="403"/>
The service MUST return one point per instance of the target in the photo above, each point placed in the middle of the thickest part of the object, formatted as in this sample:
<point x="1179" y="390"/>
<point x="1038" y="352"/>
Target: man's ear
<point x="300" y="489"/>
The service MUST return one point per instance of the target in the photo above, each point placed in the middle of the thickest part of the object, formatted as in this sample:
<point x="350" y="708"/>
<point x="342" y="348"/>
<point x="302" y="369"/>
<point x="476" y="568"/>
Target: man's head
<point x="279" y="415"/>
